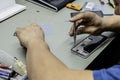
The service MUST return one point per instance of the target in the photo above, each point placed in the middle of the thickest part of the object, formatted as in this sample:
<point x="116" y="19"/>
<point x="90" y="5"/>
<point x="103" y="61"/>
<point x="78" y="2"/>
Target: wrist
<point x="37" y="43"/>
<point x="108" y="23"/>
<point x="111" y="23"/>
<point x="104" y="25"/>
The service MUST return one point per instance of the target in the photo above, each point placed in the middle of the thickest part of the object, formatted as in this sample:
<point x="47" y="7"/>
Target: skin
<point x="43" y="65"/>
<point x="93" y="24"/>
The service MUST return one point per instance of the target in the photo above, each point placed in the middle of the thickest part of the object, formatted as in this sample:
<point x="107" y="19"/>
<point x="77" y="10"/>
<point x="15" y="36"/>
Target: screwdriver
<point x="75" y="33"/>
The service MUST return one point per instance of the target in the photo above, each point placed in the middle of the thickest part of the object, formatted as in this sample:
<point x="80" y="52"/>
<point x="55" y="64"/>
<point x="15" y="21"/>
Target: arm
<point x="41" y="63"/>
<point x="111" y="23"/>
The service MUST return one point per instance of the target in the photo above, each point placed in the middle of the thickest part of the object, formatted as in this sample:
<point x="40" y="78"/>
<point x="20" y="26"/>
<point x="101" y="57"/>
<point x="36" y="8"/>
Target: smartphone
<point x="88" y="45"/>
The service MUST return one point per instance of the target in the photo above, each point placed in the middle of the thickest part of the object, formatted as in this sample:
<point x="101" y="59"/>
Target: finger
<point x="34" y="25"/>
<point x="83" y="15"/>
<point x="18" y="31"/>
<point x="89" y="30"/>
<point x="78" y="23"/>
<point x="71" y="32"/>
<point x="77" y="17"/>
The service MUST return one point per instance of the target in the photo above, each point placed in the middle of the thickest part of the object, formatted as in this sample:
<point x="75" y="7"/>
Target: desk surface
<point x="56" y="31"/>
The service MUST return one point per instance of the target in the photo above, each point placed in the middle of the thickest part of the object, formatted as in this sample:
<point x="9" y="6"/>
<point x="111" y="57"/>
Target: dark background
<point x="108" y="57"/>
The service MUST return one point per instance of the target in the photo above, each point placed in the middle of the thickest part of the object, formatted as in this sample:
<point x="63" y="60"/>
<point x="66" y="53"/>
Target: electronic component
<point x="74" y="6"/>
<point x="87" y="46"/>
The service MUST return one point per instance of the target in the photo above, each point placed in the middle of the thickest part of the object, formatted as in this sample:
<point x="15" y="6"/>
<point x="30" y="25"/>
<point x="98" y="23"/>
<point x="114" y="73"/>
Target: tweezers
<point x="75" y="33"/>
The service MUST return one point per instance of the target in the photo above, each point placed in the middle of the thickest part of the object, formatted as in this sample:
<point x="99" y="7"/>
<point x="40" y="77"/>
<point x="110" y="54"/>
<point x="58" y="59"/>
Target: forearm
<point x="111" y="23"/>
<point x="41" y="63"/>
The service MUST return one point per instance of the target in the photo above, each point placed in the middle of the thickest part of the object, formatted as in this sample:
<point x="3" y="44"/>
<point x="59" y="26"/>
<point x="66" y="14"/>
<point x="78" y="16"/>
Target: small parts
<point x="74" y="6"/>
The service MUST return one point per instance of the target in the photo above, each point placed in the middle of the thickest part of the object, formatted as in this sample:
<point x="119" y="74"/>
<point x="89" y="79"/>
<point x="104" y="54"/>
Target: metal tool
<point x="75" y="33"/>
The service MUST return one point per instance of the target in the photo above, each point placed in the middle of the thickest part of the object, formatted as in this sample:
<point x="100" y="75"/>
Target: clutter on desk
<point x="54" y="5"/>
<point x="11" y="68"/>
<point x="88" y="6"/>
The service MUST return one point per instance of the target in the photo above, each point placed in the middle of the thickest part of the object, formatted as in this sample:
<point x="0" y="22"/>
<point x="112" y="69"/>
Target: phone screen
<point x="87" y="46"/>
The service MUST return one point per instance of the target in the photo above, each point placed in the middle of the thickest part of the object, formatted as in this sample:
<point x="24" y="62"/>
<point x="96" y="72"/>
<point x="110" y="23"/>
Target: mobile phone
<point x="88" y="45"/>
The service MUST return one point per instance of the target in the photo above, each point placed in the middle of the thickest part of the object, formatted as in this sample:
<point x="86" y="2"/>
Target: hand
<point x="29" y="34"/>
<point x="91" y="21"/>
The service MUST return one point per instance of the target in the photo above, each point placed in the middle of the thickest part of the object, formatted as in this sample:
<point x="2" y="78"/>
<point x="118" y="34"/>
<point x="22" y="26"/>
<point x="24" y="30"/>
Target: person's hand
<point x="29" y="34"/>
<point x="117" y="7"/>
<point x="92" y="23"/>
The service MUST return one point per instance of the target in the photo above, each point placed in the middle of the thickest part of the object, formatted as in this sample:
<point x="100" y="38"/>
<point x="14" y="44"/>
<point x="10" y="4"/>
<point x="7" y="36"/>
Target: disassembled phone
<point x="91" y="43"/>
<point x="88" y="45"/>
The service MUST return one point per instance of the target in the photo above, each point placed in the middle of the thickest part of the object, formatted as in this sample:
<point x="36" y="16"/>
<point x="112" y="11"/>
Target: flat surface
<point x="56" y="30"/>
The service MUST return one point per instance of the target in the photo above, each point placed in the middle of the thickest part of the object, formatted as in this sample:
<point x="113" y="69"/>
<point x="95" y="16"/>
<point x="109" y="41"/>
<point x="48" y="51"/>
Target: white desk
<point x="57" y="33"/>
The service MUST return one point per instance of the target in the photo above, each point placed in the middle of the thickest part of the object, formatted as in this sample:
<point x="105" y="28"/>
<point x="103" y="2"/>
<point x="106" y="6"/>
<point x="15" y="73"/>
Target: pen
<point x="4" y="67"/>
<point x="7" y="71"/>
<point x="4" y="73"/>
<point x="5" y="77"/>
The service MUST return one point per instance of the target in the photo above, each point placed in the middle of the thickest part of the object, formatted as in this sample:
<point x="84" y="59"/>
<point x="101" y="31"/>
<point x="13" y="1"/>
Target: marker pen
<point x="5" y="77"/>
<point x="3" y="66"/>
<point x="9" y="71"/>
<point x="4" y="73"/>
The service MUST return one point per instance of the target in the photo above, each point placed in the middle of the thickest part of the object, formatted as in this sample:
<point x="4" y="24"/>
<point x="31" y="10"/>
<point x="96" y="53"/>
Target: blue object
<point x="112" y="73"/>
